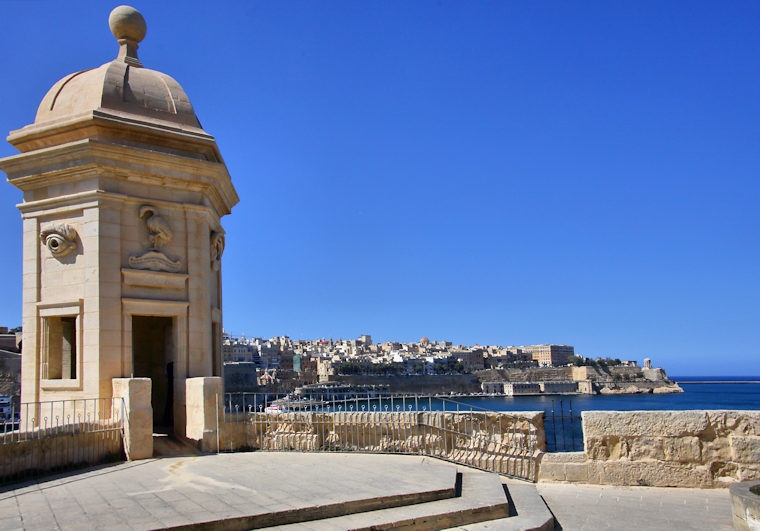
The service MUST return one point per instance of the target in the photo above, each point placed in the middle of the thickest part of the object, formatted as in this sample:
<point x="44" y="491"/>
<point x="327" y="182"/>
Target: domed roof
<point x="118" y="86"/>
<point x="121" y="86"/>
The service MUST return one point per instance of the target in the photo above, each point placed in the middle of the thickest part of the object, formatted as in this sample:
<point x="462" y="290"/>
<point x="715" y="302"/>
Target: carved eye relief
<point x="60" y="241"/>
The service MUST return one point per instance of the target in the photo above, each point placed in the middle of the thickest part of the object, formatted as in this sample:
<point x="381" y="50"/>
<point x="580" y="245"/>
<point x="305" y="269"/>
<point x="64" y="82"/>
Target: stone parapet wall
<point x="509" y="443"/>
<point x="661" y="448"/>
<point x="30" y="453"/>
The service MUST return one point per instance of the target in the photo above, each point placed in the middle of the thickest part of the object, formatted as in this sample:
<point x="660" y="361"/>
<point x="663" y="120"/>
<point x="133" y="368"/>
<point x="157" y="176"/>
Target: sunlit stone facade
<point x="123" y="192"/>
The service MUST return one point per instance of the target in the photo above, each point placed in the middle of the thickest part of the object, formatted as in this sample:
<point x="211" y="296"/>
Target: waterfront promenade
<point x="195" y="489"/>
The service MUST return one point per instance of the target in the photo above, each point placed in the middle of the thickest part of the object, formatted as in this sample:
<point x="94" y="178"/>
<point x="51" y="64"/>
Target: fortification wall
<point x="540" y="374"/>
<point x="661" y="448"/>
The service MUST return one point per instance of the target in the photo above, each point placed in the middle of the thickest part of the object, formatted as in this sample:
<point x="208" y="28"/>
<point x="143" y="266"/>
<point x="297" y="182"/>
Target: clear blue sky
<point x="497" y="172"/>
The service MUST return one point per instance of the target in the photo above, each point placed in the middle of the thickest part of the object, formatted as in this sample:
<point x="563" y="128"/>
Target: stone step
<point x="482" y="498"/>
<point x="427" y="481"/>
<point x="169" y="446"/>
<point x="528" y="508"/>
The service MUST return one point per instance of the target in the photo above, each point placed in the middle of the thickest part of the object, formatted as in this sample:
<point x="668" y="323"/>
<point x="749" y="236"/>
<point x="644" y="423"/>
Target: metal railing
<point x="46" y="437"/>
<point x="503" y="442"/>
<point x="564" y="427"/>
<point x="398" y="402"/>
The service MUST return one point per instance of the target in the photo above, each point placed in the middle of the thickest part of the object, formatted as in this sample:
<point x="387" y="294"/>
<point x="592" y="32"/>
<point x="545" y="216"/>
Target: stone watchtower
<point x="123" y="192"/>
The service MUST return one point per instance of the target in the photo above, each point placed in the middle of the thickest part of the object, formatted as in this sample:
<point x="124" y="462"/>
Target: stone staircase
<point x="454" y="498"/>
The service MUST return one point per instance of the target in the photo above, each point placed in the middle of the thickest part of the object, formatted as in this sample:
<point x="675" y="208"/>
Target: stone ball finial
<point x="127" y="23"/>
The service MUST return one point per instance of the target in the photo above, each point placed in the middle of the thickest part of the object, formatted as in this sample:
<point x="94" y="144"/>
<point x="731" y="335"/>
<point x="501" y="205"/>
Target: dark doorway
<point x="153" y="357"/>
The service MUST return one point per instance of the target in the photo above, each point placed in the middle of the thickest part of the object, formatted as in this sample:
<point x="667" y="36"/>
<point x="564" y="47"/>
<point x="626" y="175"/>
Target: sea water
<point x="741" y="393"/>
<point x="562" y="412"/>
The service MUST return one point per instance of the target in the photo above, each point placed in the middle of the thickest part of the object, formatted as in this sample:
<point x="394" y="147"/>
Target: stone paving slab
<point x="180" y="491"/>
<point x="594" y="507"/>
<point x="165" y="492"/>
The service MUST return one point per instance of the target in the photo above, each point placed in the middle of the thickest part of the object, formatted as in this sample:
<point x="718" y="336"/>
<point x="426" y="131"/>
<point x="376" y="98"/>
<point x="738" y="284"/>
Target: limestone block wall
<point x="508" y="443"/>
<point x="661" y="448"/>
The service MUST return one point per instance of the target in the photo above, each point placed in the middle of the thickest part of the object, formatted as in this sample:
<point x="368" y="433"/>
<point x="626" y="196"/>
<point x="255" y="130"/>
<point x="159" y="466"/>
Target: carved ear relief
<point x="60" y="240"/>
<point x="217" y="249"/>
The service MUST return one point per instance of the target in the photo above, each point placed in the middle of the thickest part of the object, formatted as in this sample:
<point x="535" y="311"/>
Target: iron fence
<point x="40" y="438"/>
<point x="393" y="402"/>
<point x="564" y="428"/>
<point x="504" y="442"/>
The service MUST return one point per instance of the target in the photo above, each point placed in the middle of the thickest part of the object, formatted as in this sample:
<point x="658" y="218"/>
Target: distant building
<point x="550" y="355"/>
<point x="471" y="360"/>
<point x="558" y="387"/>
<point x="8" y="341"/>
<point x="239" y="352"/>
<point x="521" y="388"/>
<point x="495" y="388"/>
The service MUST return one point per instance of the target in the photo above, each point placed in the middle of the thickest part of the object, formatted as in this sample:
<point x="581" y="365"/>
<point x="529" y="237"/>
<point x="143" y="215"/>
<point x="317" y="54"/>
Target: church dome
<point x="122" y="86"/>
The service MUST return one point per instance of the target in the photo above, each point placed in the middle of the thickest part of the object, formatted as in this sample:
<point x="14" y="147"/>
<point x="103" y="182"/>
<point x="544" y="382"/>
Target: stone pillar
<point x="138" y="416"/>
<point x="202" y="413"/>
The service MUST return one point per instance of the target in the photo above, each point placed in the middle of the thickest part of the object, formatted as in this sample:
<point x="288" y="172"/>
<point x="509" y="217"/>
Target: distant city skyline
<point x="491" y="173"/>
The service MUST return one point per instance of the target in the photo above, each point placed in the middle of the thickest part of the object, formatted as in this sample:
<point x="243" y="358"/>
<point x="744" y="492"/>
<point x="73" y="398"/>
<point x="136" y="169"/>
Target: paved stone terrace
<point x="176" y="491"/>
<point x="593" y="507"/>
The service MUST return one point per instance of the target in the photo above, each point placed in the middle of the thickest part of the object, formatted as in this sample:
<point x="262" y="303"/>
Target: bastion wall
<point x="702" y="449"/>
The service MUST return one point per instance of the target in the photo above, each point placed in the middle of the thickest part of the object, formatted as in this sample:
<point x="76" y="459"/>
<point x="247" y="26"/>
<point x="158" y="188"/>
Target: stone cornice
<point x="89" y="159"/>
<point x="116" y="125"/>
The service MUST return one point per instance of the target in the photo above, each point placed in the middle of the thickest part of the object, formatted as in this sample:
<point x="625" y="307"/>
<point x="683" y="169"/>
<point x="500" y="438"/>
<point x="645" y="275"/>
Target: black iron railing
<point x="564" y="430"/>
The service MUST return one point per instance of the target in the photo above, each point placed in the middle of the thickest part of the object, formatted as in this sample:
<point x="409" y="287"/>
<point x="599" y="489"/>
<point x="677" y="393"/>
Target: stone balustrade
<point x="508" y="443"/>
